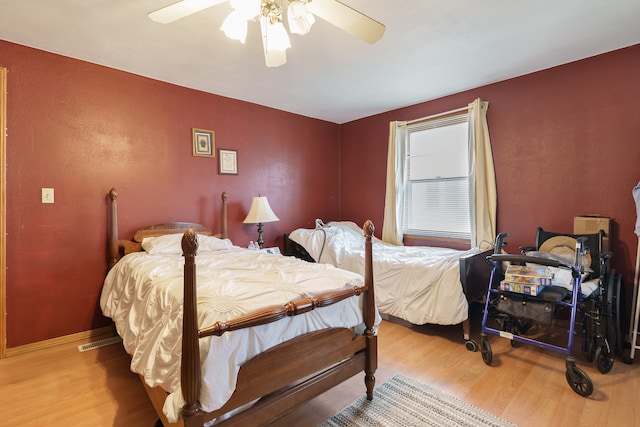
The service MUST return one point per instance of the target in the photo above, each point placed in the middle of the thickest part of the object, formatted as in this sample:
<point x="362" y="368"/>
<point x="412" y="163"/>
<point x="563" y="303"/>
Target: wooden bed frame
<point x="284" y="376"/>
<point x="475" y="273"/>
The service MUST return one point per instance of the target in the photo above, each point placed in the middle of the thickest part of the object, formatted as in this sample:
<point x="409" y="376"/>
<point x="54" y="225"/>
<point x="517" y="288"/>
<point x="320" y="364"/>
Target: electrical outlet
<point x="47" y="195"/>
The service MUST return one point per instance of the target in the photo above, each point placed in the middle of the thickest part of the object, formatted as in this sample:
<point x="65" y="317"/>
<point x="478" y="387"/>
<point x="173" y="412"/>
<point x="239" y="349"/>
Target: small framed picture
<point x="227" y="162"/>
<point x="203" y="143"/>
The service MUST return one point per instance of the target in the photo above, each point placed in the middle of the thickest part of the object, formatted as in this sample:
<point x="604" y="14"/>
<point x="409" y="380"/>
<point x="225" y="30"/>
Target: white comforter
<point x="416" y="283"/>
<point x="143" y="295"/>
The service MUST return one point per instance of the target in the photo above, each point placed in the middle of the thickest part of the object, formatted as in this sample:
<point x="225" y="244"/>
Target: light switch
<point x="47" y="195"/>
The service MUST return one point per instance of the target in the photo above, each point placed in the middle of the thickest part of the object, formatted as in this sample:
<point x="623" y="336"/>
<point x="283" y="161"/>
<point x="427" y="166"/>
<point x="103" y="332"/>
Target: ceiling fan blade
<point x="181" y="9"/>
<point x="348" y="19"/>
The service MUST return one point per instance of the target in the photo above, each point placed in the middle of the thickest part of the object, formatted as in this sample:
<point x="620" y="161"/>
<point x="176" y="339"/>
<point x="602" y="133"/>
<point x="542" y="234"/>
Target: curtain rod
<point x="459" y="110"/>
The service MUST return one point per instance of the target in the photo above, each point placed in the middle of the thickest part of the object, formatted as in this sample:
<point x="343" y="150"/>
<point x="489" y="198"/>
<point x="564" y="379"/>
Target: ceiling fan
<point x="270" y="13"/>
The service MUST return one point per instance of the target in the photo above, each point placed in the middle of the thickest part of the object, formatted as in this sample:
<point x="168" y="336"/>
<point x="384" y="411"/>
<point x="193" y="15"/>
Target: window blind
<point x="437" y="178"/>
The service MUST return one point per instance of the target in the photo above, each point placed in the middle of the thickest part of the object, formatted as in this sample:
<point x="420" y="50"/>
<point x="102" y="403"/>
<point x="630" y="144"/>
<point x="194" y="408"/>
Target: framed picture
<point x="203" y="143"/>
<point x="227" y="162"/>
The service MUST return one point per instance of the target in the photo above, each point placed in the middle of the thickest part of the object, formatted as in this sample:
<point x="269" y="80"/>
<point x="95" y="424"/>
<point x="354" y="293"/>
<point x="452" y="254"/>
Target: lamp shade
<point x="260" y="211"/>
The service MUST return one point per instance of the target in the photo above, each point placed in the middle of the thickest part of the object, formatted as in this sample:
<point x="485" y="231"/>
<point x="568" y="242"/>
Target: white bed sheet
<point x="416" y="283"/>
<point x="143" y="295"/>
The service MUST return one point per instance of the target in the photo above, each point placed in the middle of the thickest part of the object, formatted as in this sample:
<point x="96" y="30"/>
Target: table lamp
<point x="260" y="212"/>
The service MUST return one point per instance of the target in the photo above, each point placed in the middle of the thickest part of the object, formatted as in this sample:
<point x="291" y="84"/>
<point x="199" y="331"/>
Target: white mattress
<point x="416" y="283"/>
<point x="143" y="295"/>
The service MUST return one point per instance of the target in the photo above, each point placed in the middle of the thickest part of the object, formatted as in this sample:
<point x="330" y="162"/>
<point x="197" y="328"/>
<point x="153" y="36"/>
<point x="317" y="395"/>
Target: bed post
<point x="190" y="368"/>
<point x="225" y="230"/>
<point x="114" y="250"/>
<point x="369" y="312"/>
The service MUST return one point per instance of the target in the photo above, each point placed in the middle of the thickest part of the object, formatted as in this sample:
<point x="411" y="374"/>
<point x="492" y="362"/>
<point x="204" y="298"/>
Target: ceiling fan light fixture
<point x="235" y="26"/>
<point x="275" y="39"/>
<point x="299" y="17"/>
<point x="274" y="35"/>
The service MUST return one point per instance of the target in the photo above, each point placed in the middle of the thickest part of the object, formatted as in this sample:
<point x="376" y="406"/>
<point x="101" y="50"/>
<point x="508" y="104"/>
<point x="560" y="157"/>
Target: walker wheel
<point x="471" y="345"/>
<point x="579" y="381"/>
<point x="604" y="359"/>
<point x="487" y="354"/>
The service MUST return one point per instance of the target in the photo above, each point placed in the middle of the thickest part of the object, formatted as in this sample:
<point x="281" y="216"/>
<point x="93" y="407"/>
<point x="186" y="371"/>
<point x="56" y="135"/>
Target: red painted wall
<point x="565" y="142"/>
<point x="82" y="129"/>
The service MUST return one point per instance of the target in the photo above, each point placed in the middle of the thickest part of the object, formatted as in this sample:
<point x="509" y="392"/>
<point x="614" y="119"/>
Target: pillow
<point x="171" y="244"/>
<point x="166" y="244"/>
<point x="212" y="243"/>
<point x="333" y="237"/>
<point x="353" y="231"/>
<point x="313" y="241"/>
<point x="348" y="227"/>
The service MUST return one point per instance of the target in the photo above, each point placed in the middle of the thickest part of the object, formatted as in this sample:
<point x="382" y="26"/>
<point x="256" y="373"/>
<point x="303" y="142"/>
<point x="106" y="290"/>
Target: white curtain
<point x="482" y="177"/>
<point x="482" y="181"/>
<point x="392" y="224"/>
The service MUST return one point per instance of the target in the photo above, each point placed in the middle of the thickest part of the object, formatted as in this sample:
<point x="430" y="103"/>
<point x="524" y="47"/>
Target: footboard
<point x="323" y="358"/>
<point x="475" y="273"/>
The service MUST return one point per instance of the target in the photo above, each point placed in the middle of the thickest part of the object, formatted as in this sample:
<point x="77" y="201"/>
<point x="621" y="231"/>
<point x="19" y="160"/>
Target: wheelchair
<point x="583" y="266"/>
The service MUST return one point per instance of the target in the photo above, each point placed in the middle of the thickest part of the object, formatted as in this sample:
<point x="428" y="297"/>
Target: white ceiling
<point x="431" y="48"/>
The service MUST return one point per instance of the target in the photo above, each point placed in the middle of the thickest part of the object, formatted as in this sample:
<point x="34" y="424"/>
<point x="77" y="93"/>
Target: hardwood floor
<point x="63" y="387"/>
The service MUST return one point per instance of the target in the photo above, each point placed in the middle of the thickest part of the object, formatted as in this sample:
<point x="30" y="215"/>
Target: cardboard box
<point x="528" y="275"/>
<point x="521" y="288"/>
<point x="590" y="224"/>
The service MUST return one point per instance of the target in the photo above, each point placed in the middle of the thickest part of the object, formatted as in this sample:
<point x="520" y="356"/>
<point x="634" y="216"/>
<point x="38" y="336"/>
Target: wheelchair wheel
<point x="487" y="354"/>
<point x="619" y="316"/>
<point x="615" y="315"/>
<point x="604" y="359"/>
<point x="579" y="381"/>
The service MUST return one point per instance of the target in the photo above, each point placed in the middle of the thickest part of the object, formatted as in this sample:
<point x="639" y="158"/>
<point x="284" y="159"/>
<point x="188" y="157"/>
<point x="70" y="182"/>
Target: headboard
<point x="120" y="247"/>
<point x="292" y="248"/>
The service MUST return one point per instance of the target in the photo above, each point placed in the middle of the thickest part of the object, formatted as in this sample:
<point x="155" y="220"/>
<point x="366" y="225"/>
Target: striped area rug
<point x="402" y="401"/>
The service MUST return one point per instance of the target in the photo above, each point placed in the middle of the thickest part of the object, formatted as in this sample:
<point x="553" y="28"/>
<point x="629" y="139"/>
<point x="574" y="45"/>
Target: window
<point x="436" y="199"/>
